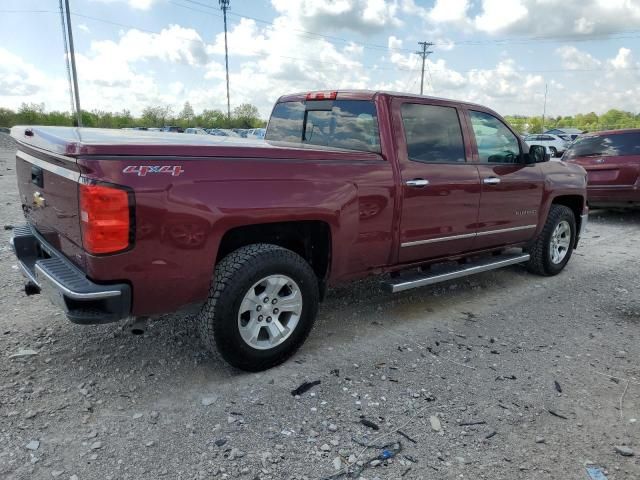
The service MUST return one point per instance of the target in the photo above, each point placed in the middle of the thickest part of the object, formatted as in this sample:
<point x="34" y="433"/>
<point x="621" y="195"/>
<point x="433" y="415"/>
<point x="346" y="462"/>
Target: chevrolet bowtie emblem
<point x="38" y="200"/>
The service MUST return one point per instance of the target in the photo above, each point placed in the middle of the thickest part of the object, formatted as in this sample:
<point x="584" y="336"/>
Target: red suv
<point x="612" y="161"/>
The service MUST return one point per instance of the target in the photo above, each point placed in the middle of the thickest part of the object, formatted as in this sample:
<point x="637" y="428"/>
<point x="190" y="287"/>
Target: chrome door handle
<point x="491" y="181"/>
<point x="417" y="182"/>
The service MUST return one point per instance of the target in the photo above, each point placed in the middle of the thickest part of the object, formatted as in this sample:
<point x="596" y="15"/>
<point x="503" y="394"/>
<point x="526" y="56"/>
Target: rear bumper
<point x="613" y="195"/>
<point x="82" y="300"/>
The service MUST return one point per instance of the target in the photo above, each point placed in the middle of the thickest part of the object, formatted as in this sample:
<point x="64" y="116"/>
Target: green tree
<point x="30" y="113"/>
<point x="246" y="116"/>
<point x="187" y="115"/>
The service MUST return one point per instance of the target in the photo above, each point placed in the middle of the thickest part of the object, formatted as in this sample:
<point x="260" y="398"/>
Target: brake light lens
<point x="104" y="218"/>
<point x="322" y="95"/>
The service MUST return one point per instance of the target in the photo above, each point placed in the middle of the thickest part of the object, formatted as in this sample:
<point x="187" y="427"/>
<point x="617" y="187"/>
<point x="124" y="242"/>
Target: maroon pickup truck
<point x="131" y="224"/>
<point x="612" y="161"/>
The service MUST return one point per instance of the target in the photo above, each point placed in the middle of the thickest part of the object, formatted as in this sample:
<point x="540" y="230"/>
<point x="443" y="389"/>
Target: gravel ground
<point x="504" y="375"/>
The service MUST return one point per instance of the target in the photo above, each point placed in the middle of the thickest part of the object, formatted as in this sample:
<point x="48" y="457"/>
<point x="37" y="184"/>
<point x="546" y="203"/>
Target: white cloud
<point x="21" y="82"/>
<point x="449" y="11"/>
<point x="394" y="43"/>
<point x="17" y="77"/>
<point x="135" y="4"/>
<point x="84" y="28"/>
<point x="623" y="60"/>
<point x="500" y="15"/>
<point x="574" y="59"/>
<point x="537" y="17"/>
<point x="362" y="16"/>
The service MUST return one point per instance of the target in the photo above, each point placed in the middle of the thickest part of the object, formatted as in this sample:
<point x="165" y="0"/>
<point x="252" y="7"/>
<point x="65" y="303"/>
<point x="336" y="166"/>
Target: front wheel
<point x="552" y="249"/>
<point x="553" y="151"/>
<point x="261" y="307"/>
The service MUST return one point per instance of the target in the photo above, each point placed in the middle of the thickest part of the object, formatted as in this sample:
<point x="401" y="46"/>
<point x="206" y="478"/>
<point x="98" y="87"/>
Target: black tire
<point x="233" y="278"/>
<point x="540" y="251"/>
<point x="554" y="151"/>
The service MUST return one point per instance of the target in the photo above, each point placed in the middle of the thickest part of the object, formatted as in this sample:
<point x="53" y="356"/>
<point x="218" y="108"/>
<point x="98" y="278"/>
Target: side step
<point x="416" y="280"/>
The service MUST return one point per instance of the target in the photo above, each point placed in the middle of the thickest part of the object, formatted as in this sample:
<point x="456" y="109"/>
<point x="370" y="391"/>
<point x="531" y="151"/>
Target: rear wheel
<point x="552" y="249"/>
<point x="261" y="307"/>
<point x="554" y="151"/>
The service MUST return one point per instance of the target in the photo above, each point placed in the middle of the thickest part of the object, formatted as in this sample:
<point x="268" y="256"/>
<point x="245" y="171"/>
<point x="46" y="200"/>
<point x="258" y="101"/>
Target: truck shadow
<point x="616" y="216"/>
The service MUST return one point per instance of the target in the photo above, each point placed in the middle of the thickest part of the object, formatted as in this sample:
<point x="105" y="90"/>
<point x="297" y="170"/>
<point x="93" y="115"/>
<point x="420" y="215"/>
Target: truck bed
<point x="76" y="142"/>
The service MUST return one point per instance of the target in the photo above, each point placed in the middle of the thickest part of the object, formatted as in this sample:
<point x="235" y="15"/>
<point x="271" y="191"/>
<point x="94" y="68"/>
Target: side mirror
<point x="538" y="154"/>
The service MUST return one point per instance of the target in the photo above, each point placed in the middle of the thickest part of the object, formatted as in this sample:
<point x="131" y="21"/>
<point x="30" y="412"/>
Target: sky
<point x="499" y="53"/>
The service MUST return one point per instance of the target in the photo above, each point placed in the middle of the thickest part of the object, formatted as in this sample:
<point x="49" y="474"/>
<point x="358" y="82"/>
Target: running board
<point x="407" y="282"/>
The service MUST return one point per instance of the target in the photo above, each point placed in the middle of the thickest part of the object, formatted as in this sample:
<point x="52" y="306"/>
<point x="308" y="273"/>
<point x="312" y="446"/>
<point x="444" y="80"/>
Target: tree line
<point x="242" y="116"/>
<point x="246" y="116"/>
<point x="590" y="122"/>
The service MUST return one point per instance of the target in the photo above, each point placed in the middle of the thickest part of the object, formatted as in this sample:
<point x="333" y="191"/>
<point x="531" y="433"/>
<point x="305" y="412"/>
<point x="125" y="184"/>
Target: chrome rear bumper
<point x="66" y="286"/>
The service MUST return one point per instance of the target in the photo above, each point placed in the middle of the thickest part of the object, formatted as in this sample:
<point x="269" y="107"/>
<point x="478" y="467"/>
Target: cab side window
<point x="496" y="143"/>
<point x="433" y="133"/>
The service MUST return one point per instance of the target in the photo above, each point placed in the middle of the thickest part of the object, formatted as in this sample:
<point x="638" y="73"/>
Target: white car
<point x="196" y="131"/>
<point x="256" y="133"/>
<point x="554" y="143"/>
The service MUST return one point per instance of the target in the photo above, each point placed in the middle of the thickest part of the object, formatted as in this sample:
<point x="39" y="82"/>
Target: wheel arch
<point x="576" y="204"/>
<point x="311" y="239"/>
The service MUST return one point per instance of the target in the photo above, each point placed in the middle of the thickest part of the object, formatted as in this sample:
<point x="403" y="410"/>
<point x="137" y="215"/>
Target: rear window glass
<point x="348" y="124"/>
<point x="433" y="133"/>
<point x="605" y="145"/>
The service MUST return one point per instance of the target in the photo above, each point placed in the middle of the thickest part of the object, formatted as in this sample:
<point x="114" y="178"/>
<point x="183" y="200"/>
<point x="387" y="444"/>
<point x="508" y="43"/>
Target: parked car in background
<point x="172" y="128"/>
<point x="230" y="132"/>
<point x="612" y="161"/>
<point x="196" y="131"/>
<point x="222" y="132"/>
<point x="556" y="145"/>
<point x="256" y="132"/>
<point x="566" y="133"/>
<point x="345" y="185"/>
<point x="240" y="131"/>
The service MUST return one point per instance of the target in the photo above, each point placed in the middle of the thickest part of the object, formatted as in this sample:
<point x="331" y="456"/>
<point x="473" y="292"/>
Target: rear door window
<point x="347" y="124"/>
<point x="620" y="144"/>
<point x="433" y="133"/>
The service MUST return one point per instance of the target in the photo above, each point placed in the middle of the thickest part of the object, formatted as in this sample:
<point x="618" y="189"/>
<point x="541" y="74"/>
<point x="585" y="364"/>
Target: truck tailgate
<point x="48" y="187"/>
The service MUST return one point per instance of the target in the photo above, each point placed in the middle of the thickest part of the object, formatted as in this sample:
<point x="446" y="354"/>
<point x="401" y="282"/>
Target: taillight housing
<point x="106" y="217"/>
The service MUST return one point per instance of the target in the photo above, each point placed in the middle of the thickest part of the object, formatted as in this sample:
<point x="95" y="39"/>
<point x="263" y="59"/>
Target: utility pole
<point x="224" y="5"/>
<point x="66" y="58"/>
<point x="424" y="53"/>
<point x="72" y="59"/>
<point x="544" y="108"/>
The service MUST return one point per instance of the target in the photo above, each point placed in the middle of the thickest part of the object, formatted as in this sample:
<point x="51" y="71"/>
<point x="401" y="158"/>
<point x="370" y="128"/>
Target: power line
<point x="424" y="53"/>
<point x="333" y="64"/>
<point x="626" y="34"/>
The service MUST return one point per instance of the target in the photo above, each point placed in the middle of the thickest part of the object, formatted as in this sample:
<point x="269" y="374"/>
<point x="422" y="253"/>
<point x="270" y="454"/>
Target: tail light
<point x="105" y="218"/>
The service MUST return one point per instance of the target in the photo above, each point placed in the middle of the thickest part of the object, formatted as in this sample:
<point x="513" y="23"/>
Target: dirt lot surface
<point x="504" y="375"/>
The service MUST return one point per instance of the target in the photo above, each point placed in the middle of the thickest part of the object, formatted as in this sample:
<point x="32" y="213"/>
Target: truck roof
<point x="371" y="94"/>
<point x="74" y="142"/>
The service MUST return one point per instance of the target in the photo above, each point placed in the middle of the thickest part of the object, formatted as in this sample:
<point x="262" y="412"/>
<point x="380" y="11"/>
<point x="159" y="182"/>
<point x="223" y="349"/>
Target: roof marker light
<point x="322" y="95"/>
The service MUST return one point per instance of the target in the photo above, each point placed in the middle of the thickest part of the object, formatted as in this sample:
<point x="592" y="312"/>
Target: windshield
<point x="348" y="124"/>
<point x="605" y="145"/>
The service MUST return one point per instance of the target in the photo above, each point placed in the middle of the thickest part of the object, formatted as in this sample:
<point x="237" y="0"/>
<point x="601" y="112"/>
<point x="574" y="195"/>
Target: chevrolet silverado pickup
<point x="347" y="184"/>
<point x="612" y="161"/>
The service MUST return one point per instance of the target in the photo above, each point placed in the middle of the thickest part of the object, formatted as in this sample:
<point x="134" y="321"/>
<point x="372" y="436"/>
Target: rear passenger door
<point x="511" y="190"/>
<point x="440" y="183"/>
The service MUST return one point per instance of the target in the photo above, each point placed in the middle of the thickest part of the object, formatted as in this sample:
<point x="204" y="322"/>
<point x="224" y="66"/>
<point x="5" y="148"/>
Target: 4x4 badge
<point x="143" y="170"/>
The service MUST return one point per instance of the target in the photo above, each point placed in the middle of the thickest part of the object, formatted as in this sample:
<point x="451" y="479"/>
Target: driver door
<point x="511" y="190"/>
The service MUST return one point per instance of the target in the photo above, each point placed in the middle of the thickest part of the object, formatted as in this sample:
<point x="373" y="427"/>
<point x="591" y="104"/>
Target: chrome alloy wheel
<point x="560" y="242"/>
<point x="270" y="312"/>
